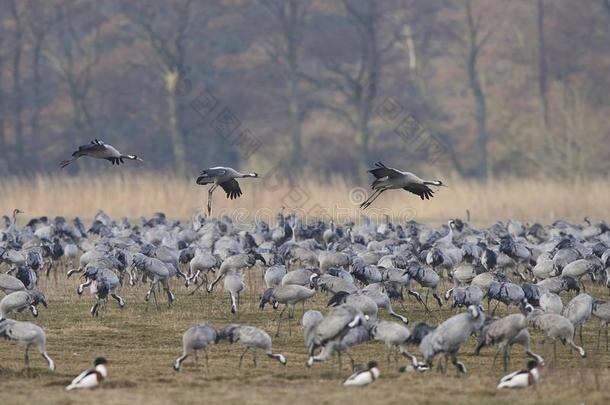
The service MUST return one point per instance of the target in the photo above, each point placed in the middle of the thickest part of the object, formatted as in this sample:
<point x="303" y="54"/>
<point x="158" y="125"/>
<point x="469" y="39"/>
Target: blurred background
<point x="469" y="91"/>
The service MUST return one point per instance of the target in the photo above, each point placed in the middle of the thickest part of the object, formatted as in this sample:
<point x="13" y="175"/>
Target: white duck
<point x="365" y="377"/>
<point x="521" y="378"/>
<point x="92" y="377"/>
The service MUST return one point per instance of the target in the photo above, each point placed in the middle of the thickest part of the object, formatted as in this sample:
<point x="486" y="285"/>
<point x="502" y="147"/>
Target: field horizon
<point x="135" y="194"/>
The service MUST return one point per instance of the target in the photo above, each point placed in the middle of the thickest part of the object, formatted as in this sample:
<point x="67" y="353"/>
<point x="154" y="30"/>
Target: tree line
<point x="481" y="88"/>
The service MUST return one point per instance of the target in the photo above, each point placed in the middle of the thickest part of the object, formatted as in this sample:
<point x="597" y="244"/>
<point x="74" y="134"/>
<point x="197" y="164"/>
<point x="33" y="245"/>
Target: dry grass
<point x="142" y="346"/>
<point x="133" y="194"/>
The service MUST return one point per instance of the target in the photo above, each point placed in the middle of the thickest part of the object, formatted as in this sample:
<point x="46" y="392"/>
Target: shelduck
<point x="365" y="377"/>
<point x="92" y="377"/>
<point x="521" y="378"/>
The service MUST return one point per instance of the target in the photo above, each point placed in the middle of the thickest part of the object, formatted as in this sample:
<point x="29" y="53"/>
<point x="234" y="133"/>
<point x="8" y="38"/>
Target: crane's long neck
<point x="433" y="182"/>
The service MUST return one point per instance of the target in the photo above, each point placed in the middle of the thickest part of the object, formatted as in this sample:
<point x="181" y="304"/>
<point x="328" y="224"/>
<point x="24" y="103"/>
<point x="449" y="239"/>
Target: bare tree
<point x="357" y="83"/>
<point x="285" y="51"/>
<point x="170" y="51"/>
<point x="3" y="162"/>
<point x="74" y="55"/>
<point x="17" y="99"/>
<point x="475" y="42"/>
<point x="542" y="71"/>
<point x="39" y="23"/>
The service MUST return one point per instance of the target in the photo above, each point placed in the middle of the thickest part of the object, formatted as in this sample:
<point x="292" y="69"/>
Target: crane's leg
<point x="506" y="347"/>
<point x="231" y="304"/>
<point x="198" y="287"/>
<point x="418" y="298"/>
<point x="207" y="367"/>
<point x="210" y="198"/>
<point x="210" y="288"/>
<point x="371" y="199"/>
<point x="493" y="364"/>
<point x="118" y="299"/>
<point x="241" y="358"/>
<point x="290" y="316"/>
<point x="238" y="304"/>
<point x="340" y="360"/>
<point x="279" y="320"/>
<point x="27" y="357"/>
<point x="365" y="202"/>
<point x="351" y="359"/>
<point x="496" y="307"/>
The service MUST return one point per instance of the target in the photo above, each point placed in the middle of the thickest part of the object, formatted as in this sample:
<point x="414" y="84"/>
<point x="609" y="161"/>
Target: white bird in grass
<point x="365" y="377"/>
<point x="388" y="178"/>
<point x="521" y="378"/>
<point x="99" y="150"/>
<point x="92" y="377"/>
<point x="224" y="177"/>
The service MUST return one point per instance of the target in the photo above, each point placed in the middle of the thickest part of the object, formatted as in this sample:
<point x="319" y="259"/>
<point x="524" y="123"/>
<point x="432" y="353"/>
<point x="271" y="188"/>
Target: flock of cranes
<point x="543" y="275"/>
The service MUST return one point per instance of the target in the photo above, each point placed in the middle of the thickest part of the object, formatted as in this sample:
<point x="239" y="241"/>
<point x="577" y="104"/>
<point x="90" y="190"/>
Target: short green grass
<point x="142" y="345"/>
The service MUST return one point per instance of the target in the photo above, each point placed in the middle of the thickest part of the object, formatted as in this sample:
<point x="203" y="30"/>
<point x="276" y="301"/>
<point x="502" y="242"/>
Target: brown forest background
<point x="507" y="87"/>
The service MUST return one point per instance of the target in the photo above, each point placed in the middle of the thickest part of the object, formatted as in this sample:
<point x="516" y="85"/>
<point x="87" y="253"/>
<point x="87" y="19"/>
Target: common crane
<point x="334" y="326"/>
<point x="555" y="327"/>
<point x="99" y="150"/>
<point x="289" y="295"/>
<point x="21" y="300"/>
<point x="198" y="337"/>
<point x="26" y="334"/>
<point x="601" y="310"/>
<point x="388" y="178"/>
<point x="251" y="338"/>
<point x="225" y="177"/>
<point x="450" y="335"/>
<point x="505" y="332"/>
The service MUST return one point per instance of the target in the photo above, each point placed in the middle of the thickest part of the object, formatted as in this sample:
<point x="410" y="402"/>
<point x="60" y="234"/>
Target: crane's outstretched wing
<point x="94" y="146"/>
<point x="381" y="171"/>
<point x="208" y="176"/>
<point x="231" y="187"/>
<point x="421" y="190"/>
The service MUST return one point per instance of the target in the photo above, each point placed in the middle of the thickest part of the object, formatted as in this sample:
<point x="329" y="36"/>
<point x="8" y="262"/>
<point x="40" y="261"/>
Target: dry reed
<point x="132" y="195"/>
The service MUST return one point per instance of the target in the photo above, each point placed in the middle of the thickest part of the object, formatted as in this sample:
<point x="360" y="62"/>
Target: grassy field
<point x="133" y="194"/>
<point x="142" y="346"/>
